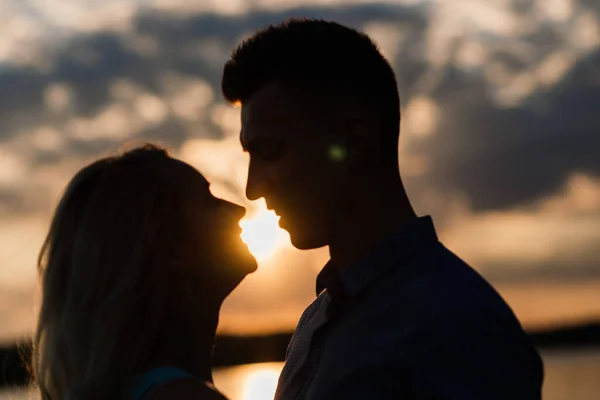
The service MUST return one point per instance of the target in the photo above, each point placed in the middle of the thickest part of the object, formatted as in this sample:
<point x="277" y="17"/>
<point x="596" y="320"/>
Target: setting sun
<point x="261" y="232"/>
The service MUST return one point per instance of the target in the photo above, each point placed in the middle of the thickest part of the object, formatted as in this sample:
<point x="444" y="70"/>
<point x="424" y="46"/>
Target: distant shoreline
<point x="232" y="350"/>
<point x="580" y="335"/>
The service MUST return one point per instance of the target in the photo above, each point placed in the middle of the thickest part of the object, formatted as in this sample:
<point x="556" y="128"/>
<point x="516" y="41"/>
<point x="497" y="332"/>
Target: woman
<point x="137" y="262"/>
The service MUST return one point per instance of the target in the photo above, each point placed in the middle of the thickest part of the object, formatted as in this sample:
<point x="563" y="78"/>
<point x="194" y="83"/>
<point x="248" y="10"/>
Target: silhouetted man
<point x="397" y="315"/>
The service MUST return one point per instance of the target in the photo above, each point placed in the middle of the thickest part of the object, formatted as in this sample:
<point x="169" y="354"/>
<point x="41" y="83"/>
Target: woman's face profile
<point x="212" y="243"/>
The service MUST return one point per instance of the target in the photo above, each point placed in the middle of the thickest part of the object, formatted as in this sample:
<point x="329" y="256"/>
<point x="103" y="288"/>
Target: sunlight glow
<point x="261" y="232"/>
<point x="261" y="384"/>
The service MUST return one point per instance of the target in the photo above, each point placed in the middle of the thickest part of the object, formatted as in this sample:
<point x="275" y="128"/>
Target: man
<point x="397" y="315"/>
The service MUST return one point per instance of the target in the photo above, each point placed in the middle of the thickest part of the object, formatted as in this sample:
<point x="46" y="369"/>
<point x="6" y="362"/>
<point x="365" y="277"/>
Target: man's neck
<point x="371" y="222"/>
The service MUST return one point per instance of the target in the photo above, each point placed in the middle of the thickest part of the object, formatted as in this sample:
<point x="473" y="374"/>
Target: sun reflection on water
<point x="261" y="383"/>
<point x="249" y="382"/>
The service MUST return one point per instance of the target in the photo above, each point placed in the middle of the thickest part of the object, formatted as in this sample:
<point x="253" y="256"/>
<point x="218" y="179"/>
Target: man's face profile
<point x="293" y="163"/>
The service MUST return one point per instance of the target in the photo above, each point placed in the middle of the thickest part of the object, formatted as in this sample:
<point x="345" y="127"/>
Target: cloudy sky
<point x="500" y="136"/>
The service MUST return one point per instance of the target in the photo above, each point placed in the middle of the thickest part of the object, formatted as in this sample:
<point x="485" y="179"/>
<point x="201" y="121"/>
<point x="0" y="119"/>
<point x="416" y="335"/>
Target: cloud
<point x="554" y="238"/>
<point x="499" y="133"/>
<point x="504" y="157"/>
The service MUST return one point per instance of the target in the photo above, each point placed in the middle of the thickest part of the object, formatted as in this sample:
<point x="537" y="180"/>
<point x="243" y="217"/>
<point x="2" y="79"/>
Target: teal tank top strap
<point x="154" y="378"/>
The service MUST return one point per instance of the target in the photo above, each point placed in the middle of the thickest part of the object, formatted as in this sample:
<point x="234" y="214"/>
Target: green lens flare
<point x="337" y="153"/>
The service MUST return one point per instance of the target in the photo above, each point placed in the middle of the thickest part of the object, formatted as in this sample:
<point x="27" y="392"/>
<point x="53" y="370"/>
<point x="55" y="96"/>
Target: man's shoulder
<point x="436" y="288"/>
<point x="440" y="277"/>
<point x="441" y="302"/>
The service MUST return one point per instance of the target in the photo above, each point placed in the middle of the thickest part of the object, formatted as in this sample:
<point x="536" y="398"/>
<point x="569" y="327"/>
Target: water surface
<point x="570" y="375"/>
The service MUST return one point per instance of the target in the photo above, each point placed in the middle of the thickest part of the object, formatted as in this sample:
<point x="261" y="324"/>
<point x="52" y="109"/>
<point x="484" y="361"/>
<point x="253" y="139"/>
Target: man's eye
<point x="268" y="152"/>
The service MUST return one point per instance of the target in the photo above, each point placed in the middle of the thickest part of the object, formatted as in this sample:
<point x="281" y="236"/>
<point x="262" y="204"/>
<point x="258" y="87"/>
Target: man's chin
<point x="302" y="239"/>
<point x="305" y="242"/>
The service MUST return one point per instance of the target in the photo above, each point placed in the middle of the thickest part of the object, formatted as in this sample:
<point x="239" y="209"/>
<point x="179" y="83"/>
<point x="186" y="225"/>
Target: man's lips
<point x="274" y="209"/>
<point x="281" y="218"/>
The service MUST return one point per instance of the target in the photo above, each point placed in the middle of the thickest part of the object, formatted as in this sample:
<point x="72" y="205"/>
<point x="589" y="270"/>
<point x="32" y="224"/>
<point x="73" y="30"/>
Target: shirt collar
<point x="356" y="277"/>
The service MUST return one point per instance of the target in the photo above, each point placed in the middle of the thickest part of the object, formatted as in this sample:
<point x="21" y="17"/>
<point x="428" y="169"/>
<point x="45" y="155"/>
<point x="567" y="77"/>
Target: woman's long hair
<point x="103" y="273"/>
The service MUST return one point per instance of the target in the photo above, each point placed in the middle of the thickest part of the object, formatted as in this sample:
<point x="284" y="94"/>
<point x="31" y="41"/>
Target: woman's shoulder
<point x="185" y="388"/>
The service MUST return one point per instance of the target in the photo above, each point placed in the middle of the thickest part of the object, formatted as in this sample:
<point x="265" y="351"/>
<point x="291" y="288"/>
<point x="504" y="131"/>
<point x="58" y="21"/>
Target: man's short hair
<point x="322" y="55"/>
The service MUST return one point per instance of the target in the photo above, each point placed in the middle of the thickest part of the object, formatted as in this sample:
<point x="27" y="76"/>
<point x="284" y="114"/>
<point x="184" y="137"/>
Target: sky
<point x="499" y="138"/>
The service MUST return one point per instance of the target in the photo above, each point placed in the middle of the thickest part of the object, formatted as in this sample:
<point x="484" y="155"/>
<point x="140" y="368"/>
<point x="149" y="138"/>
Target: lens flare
<point x="337" y="153"/>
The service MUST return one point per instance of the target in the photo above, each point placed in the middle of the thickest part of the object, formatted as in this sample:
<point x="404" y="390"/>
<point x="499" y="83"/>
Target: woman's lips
<point x="270" y="207"/>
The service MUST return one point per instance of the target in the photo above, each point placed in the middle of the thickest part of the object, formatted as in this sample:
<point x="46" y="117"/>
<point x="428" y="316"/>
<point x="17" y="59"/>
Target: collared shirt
<point x="409" y="321"/>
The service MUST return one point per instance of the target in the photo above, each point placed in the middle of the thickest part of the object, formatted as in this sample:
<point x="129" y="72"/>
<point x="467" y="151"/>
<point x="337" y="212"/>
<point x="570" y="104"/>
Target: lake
<point x="570" y="375"/>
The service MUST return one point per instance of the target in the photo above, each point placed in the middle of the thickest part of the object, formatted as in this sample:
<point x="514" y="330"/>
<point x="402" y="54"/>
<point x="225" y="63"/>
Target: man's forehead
<point x="268" y="113"/>
<point x="253" y="135"/>
<point x="278" y="109"/>
<point x="269" y="102"/>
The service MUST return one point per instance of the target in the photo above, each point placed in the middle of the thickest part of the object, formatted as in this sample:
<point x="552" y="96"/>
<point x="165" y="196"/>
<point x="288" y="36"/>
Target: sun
<point x="261" y="232"/>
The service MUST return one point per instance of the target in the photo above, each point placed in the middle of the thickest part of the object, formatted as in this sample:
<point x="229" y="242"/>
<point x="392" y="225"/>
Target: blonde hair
<point x="102" y="268"/>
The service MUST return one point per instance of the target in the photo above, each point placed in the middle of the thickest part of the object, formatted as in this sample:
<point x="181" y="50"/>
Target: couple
<point x="140" y="255"/>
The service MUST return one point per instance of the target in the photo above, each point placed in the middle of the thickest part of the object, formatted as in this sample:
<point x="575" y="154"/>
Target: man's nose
<point x="255" y="185"/>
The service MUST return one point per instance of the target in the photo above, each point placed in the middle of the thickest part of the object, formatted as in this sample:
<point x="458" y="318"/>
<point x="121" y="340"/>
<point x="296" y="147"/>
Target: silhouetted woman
<point x="137" y="262"/>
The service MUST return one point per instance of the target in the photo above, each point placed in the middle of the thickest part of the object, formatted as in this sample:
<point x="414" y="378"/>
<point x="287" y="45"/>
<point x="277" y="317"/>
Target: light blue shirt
<point x="154" y="378"/>
<point x="409" y="321"/>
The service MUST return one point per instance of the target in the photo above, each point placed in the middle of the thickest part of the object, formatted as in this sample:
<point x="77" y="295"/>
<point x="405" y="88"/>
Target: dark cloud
<point x="20" y="100"/>
<point x="504" y="157"/>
